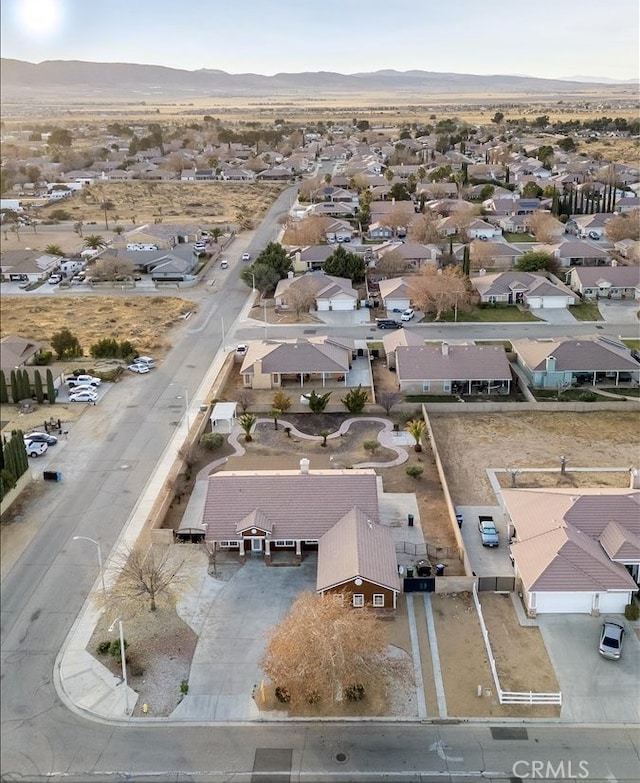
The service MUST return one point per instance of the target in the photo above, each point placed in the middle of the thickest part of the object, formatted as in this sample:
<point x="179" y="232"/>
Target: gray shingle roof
<point x="463" y="362"/>
<point x="584" y="355"/>
<point x="357" y="546"/>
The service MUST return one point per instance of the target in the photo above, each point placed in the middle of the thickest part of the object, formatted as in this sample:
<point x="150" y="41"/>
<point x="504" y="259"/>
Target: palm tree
<point x="416" y="429"/>
<point x="216" y="233"/>
<point x="106" y="206"/>
<point x="94" y="242"/>
<point x="119" y="230"/>
<point x="275" y="414"/>
<point x="324" y="434"/>
<point x="246" y="421"/>
<point x="54" y="250"/>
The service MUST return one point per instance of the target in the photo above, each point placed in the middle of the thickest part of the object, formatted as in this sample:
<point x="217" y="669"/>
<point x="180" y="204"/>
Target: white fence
<point x="510" y="697"/>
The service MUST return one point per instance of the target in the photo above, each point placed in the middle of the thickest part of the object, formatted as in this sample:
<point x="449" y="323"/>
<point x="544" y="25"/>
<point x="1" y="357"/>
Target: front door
<point x="256" y="545"/>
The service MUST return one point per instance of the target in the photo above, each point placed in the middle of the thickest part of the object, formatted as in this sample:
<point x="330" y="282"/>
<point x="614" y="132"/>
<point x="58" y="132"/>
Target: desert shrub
<point x="114" y="648"/>
<point x="211" y="440"/>
<point x="283" y="694"/>
<point x="312" y="697"/>
<point x="632" y="611"/>
<point x="184" y="687"/>
<point x="103" y="648"/>
<point x="354" y="692"/>
<point x="371" y="446"/>
<point x="588" y="396"/>
<point x="43" y="358"/>
<point x="414" y="471"/>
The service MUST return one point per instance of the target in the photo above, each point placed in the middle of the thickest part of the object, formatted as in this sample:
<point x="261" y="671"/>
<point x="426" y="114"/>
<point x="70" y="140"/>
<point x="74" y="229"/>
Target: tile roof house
<point x="271" y="364"/>
<point x="555" y="364"/>
<point x="534" y="291"/>
<point x="255" y="513"/>
<point x="395" y="293"/>
<point x="575" y="550"/>
<point x="615" y="282"/>
<point x="328" y="292"/>
<point x="579" y="253"/>
<point x="453" y="369"/>
<point x="27" y="265"/>
<point x="399" y="337"/>
<point x="17" y="352"/>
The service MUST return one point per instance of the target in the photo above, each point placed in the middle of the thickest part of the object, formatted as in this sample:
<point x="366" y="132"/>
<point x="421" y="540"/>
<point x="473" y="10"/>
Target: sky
<point x="545" y="38"/>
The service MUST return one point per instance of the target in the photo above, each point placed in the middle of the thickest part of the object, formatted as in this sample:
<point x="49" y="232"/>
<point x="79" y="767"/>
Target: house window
<point x="285" y="542"/>
<point x="229" y="544"/>
<point x="358" y="599"/>
<point x="426" y="386"/>
<point x="446" y="386"/>
<point x="378" y="599"/>
<point x="311" y="541"/>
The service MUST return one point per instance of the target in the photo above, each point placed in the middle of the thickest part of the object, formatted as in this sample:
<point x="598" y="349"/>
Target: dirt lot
<point x="144" y="321"/>
<point x="470" y="443"/>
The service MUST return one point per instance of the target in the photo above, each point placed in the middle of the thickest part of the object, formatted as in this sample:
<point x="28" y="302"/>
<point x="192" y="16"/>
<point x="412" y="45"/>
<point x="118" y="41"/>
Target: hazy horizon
<point x="549" y="40"/>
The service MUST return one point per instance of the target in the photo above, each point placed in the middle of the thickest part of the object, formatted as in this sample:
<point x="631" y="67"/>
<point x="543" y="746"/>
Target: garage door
<point x="342" y="304"/>
<point x="564" y="603"/>
<point x="550" y="302"/>
<point x="396" y="304"/>
<point x="613" y="603"/>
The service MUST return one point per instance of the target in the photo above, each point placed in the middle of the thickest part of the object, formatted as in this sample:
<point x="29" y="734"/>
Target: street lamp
<point x="97" y="545"/>
<point x="123" y="658"/>
<point x="253" y="283"/>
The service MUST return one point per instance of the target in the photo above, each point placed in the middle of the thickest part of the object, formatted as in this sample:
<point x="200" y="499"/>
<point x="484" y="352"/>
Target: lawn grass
<point x="624" y="392"/>
<point x="569" y="395"/>
<point x="633" y="345"/>
<point x="489" y="315"/>
<point x="586" y="311"/>
<point x="510" y="237"/>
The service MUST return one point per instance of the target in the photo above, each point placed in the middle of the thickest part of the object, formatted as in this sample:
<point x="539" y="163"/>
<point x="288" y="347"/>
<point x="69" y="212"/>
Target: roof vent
<point x="304" y="465"/>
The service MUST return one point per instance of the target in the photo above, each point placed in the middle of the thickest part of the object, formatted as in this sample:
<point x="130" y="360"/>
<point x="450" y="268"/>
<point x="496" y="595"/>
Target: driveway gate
<point x="420" y="584"/>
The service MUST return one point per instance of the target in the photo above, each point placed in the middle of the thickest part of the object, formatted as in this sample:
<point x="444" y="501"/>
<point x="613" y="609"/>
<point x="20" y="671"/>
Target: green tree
<point x="4" y="393"/>
<point x="15" y="391"/>
<point x="247" y="422"/>
<point x="466" y="261"/>
<point x="318" y="402"/>
<point x="216" y="233"/>
<point x="345" y="264"/>
<point x="355" y="400"/>
<point x="51" y="389"/>
<point x="416" y="429"/>
<point x="275" y="256"/>
<point x="60" y="137"/>
<point x="536" y="260"/>
<point x="37" y="386"/>
<point x="266" y="278"/>
<point x="54" y="250"/>
<point x="567" y="144"/>
<point x="497" y="117"/>
<point x="65" y="344"/>
<point x="94" y="242"/>
<point x="399" y="192"/>
<point x="24" y="384"/>
<point x="531" y="190"/>
<point x="275" y="414"/>
<point x="281" y="401"/>
<point x="414" y="471"/>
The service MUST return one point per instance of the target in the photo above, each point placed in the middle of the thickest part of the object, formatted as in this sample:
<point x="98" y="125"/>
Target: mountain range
<point x="71" y="79"/>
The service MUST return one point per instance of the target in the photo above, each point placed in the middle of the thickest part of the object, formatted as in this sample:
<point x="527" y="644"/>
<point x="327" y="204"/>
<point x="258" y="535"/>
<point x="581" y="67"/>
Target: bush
<point x="371" y="446"/>
<point x="43" y="358"/>
<point x="632" y="611"/>
<point x="588" y="397"/>
<point x="414" y="471"/>
<point x="114" y="648"/>
<point x="354" y="692"/>
<point x="211" y="440"/>
<point x="8" y="479"/>
<point x="103" y="648"/>
<point x="184" y="687"/>
<point x="355" y="400"/>
<point x="283" y="694"/>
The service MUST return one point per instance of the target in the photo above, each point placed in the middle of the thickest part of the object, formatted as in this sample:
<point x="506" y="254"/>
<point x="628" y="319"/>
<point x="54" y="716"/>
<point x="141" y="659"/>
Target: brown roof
<point x="583" y="355"/>
<point x="357" y="546"/>
<point x="15" y="351"/>
<point x="462" y="362"/>
<point x="620" y="544"/>
<point x="616" y="276"/>
<point x="288" y="503"/>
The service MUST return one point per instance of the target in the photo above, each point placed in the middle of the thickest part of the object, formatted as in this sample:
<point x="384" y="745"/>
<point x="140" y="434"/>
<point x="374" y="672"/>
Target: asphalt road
<point x="109" y="459"/>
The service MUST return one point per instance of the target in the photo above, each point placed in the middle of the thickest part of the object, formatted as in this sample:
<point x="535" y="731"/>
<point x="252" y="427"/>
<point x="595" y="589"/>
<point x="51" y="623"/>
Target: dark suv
<point x="389" y="323"/>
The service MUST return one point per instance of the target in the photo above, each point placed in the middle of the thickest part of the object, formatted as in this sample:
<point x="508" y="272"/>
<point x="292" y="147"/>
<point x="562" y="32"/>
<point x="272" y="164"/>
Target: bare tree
<point x="624" y="226"/>
<point x="387" y="399"/>
<point x="424" y="228"/>
<point x="309" y="231"/>
<point x="301" y="295"/>
<point x="212" y="551"/>
<point x="437" y="290"/>
<point x="244" y="398"/>
<point x="145" y="574"/>
<point x="323" y="647"/>
<point x="513" y="473"/>
<point x="113" y="268"/>
<point x="391" y="264"/>
<point x="545" y="227"/>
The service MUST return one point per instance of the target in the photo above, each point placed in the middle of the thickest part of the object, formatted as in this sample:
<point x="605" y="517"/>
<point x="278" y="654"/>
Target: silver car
<point x="611" y="638"/>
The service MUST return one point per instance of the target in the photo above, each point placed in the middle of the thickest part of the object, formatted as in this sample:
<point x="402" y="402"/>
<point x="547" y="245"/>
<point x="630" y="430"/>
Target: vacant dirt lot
<point x="143" y="321"/>
<point x="471" y="443"/>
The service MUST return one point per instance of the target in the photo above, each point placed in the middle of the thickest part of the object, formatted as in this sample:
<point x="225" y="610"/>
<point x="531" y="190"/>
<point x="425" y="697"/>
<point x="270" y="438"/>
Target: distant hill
<point x="20" y="80"/>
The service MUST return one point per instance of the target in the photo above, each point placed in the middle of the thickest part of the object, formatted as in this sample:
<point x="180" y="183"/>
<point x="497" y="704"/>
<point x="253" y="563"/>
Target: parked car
<point x="611" y="637"/>
<point x="83" y="380"/>
<point x="594" y="235"/>
<point x="55" y="279"/>
<point x="488" y="532"/>
<point x="224" y="264"/>
<point x="246" y="256"/>
<point x="242" y="349"/>
<point x="35" y="449"/>
<point x="83" y="396"/>
<point x="407" y="315"/>
<point x="151" y="363"/>
<point x="140" y="368"/>
<point x="389" y="323"/>
<point x="41" y="437"/>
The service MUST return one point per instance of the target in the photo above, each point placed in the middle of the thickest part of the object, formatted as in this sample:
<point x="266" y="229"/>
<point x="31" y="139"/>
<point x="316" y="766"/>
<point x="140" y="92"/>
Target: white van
<point x="145" y="360"/>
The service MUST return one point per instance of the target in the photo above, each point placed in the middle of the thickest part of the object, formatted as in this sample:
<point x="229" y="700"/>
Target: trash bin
<point x="51" y="475"/>
<point x="410" y="520"/>
<point x="440" y="569"/>
<point x="423" y="568"/>
<point x="409" y="572"/>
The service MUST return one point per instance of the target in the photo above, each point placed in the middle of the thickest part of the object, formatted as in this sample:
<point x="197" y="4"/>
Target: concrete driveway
<point x="618" y="312"/>
<point x="226" y="663"/>
<point x="594" y="689"/>
<point x="554" y="315"/>
<point x="485" y="561"/>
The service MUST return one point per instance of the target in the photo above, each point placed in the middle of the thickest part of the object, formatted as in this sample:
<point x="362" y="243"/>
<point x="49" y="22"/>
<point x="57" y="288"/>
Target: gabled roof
<point x="397" y="287"/>
<point x="15" y="351"/>
<point x="255" y="519"/>
<point x="296" y="504"/>
<point x="357" y="546"/>
<point x="315" y="355"/>
<point x="617" y="276"/>
<point x="584" y="355"/>
<point x="452" y="363"/>
<point x="620" y="544"/>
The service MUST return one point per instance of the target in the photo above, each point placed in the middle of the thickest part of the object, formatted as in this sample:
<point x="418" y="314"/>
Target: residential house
<point x="588" y="225"/>
<point x="614" y="282"/>
<point x="524" y="288"/>
<point x="628" y="204"/>
<point x="579" y="253"/>
<point x="399" y="337"/>
<point x="413" y="254"/>
<point x="494" y="255"/>
<point x="17" y="352"/>
<point x="395" y="294"/>
<point x="557" y="364"/>
<point x="272" y="364"/>
<point x="514" y="224"/>
<point x="312" y="257"/>
<point x="328" y="292"/>
<point x="334" y="209"/>
<point x="480" y="229"/>
<point x="339" y="231"/>
<point x="244" y="512"/>
<point x="27" y="265"/>
<point x="453" y="369"/>
<point x="628" y="248"/>
<point x="378" y="230"/>
<point x="575" y="551"/>
<point x="277" y="174"/>
<point x="502" y="207"/>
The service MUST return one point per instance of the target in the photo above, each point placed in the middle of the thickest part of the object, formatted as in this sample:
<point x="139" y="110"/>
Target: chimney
<point x="290" y="274"/>
<point x="634" y="481"/>
<point x="304" y="465"/>
<point x="550" y="364"/>
<point x="445" y="349"/>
